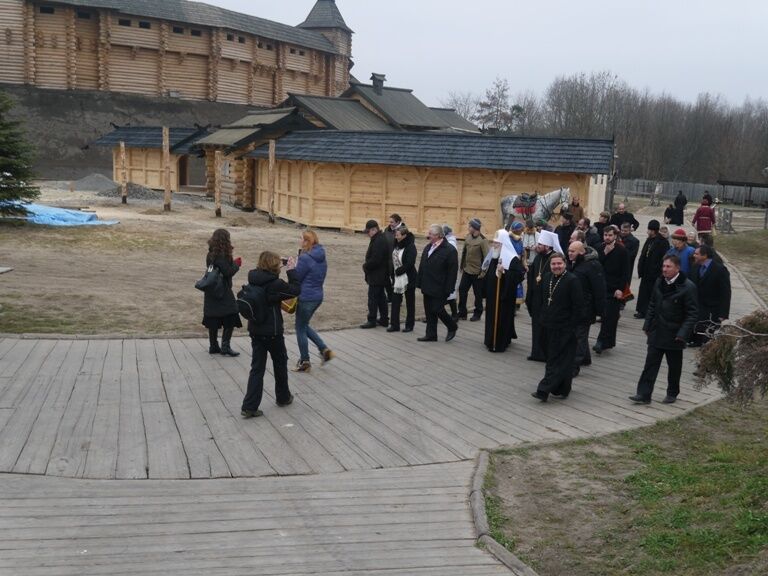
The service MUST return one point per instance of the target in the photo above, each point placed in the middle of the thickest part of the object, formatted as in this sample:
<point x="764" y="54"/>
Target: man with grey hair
<point x="437" y="280"/>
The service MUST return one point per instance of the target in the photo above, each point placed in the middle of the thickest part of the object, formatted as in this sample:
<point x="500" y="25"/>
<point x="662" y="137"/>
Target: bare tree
<point x="464" y="103"/>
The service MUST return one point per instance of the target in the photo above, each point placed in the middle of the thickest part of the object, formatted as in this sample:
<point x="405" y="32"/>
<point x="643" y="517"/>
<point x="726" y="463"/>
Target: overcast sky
<point x="681" y="47"/>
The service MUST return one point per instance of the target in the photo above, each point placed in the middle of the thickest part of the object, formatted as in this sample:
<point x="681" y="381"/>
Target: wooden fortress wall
<point x="347" y="195"/>
<point x="73" y="48"/>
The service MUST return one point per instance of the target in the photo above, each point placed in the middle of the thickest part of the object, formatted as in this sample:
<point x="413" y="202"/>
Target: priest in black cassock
<point x="503" y="273"/>
<point x="562" y="310"/>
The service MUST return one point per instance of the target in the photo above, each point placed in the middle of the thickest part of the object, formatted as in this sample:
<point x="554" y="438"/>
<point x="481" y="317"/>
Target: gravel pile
<point x="95" y="183"/>
<point x="135" y="192"/>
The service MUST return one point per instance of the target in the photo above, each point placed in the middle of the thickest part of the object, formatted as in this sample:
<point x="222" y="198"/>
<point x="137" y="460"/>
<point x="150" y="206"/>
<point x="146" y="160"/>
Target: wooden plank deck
<point x="166" y="409"/>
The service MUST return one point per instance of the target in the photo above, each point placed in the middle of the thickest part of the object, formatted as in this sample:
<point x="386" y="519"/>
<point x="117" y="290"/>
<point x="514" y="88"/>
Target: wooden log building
<point x="173" y="48"/>
<point x="340" y="179"/>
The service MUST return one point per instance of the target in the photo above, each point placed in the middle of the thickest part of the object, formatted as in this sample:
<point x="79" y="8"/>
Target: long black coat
<point x="408" y="259"/>
<point x="437" y="273"/>
<point x="714" y="291"/>
<point x="378" y="261"/>
<point x="615" y="267"/>
<point x="566" y="309"/>
<point x="632" y="244"/>
<point x="588" y="270"/>
<point x="226" y="305"/>
<point x="276" y="291"/>
<point x="619" y="219"/>
<point x="651" y="257"/>
<point x="534" y="294"/>
<point x="672" y="313"/>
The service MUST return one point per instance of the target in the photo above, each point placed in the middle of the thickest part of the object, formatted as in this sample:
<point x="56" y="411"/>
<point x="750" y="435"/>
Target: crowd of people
<point x="568" y="279"/>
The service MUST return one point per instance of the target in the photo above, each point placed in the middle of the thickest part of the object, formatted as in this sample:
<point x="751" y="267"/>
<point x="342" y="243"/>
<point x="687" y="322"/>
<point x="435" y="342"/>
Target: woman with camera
<point x="220" y="310"/>
<point x="311" y="269"/>
<point x="267" y="335"/>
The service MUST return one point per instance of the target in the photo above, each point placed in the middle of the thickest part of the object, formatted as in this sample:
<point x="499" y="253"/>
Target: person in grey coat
<point x="672" y="314"/>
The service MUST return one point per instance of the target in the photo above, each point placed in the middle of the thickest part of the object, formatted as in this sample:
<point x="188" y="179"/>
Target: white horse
<point x="534" y="206"/>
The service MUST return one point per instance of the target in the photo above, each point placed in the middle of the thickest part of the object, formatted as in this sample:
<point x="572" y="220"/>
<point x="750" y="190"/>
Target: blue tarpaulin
<point x="49" y="216"/>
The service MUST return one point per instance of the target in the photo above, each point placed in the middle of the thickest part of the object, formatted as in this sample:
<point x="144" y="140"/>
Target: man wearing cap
<point x="562" y="310"/>
<point x="681" y="249"/>
<point x="649" y="266"/>
<point x="538" y="274"/>
<point x="376" y="269"/>
<point x="504" y="272"/>
<point x="437" y="280"/>
<point x="672" y="313"/>
<point x="472" y="256"/>
<point x="615" y="260"/>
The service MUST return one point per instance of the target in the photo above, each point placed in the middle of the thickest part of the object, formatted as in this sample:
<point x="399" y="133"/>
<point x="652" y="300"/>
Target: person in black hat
<point x="376" y="269"/>
<point x="649" y="266"/>
<point x="472" y="257"/>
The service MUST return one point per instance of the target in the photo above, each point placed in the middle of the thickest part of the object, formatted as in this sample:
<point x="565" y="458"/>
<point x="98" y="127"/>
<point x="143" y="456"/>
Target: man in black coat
<point x="378" y="260"/>
<point x="566" y="228"/>
<point x="615" y="260"/>
<point x="713" y="286"/>
<point x="437" y="280"/>
<point x="631" y="243"/>
<point x="585" y="265"/>
<point x="621" y="215"/>
<point x="562" y="312"/>
<point x="395" y="221"/>
<point x="680" y="203"/>
<point x="649" y="266"/>
<point x="537" y="275"/>
<point x="672" y="313"/>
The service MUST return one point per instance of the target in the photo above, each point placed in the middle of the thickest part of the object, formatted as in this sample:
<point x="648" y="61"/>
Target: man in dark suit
<point x="649" y="266"/>
<point x="437" y="280"/>
<point x="376" y="269"/>
<point x="671" y="315"/>
<point x="713" y="285"/>
<point x="615" y="260"/>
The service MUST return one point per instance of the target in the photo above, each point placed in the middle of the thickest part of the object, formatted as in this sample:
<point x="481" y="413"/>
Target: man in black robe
<point x="615" y="260"/>
<point x="562" y="311"/>
<point x="503" y="272"/>
<point x="537" y="275"/>
<point x="649" y="266"/>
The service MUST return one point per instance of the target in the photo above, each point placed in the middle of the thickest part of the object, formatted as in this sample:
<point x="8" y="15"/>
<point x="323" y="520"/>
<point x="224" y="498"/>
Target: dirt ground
<point x="138" y="276"/>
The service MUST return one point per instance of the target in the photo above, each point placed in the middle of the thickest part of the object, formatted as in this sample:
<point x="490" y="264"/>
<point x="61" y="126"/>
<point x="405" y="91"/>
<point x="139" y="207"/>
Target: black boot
<point x="213" y="339"/>
<point x="226" y="349"/>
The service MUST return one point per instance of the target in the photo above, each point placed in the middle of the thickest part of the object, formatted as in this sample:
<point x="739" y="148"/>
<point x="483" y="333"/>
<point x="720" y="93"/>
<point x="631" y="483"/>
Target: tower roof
<point x="325" y="14"/>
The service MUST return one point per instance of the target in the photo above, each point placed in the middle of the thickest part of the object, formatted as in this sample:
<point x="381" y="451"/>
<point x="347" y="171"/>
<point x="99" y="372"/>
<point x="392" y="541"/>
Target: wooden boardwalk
<point x="130" y="456"/>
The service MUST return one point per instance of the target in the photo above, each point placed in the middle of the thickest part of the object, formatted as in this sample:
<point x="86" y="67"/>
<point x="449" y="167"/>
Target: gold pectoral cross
<point x="538" y="279"/>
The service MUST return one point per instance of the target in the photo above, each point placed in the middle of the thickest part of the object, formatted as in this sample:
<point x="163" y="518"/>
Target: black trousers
<point x="560" y="350"/>
<point x="434" y="309"/>
<point x="651" y="371"/>
<point x="537" y="350"/>
<point x="644" y="295"/>
<point x="377" y="304"/>
<point x="476" y="283"/>
<point x="583" y="356"/>
<point x="410" y="307"/>
<point x="260" y="346"/>
<point x="610" y="322"/>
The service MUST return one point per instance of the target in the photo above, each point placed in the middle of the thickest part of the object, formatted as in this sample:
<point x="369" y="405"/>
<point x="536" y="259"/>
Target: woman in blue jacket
<point x="310" y="271"/>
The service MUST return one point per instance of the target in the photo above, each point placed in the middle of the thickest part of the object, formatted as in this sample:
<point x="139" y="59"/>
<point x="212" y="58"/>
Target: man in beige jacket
<point x="472" y="256"/>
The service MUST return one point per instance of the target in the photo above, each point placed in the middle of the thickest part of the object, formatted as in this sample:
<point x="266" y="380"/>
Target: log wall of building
<point x="144" y="166"/>
<point x="63" y="47"/>
<point x="347" y="195"/>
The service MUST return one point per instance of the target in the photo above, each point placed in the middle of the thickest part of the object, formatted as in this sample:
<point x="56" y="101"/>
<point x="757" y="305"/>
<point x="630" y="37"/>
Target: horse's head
<point x="565" y="198"/>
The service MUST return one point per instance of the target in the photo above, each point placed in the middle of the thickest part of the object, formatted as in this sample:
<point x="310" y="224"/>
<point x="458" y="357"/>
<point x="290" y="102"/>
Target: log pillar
<point x="218" y="161"/>
<point x="123" y="174"/>
<point x="271" y="181"/>
<point x="166" y="169"/>
<point x="30" y="47"/>
<point x="104" y="44"/>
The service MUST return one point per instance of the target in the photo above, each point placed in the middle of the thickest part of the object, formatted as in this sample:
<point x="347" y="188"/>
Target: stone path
<point x="130" y="456"/>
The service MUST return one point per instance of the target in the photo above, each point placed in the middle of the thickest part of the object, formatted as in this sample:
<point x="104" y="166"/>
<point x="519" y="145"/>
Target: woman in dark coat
<point x="220" y="310"/>
<point x="403" y="272"/>
<point x="267" y="335"/>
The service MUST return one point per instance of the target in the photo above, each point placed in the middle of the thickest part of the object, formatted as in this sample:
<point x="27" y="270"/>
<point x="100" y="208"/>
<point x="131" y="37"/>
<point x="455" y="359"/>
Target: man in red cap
<point x="682" y="250"/>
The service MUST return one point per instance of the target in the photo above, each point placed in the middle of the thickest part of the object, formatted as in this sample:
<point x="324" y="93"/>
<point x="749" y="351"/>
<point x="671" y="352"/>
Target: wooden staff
<point x="123" y="175"/>
<point x="167" y="168"/>
<point x="271" y="181"/>
<point x="496" y="310"/>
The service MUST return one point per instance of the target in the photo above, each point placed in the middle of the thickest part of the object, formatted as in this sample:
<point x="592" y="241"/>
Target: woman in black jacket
<point x="220" y="310"/>
<point x="267" y="336"/>
<point x="404" y="272"/>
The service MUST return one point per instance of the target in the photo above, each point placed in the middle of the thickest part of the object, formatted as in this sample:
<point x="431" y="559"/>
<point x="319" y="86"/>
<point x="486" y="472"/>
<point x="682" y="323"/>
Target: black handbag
<point x="211" y="283"/>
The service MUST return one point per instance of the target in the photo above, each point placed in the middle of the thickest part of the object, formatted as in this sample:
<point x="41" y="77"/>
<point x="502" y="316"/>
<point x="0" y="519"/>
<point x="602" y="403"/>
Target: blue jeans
<point x="304" y="312"/>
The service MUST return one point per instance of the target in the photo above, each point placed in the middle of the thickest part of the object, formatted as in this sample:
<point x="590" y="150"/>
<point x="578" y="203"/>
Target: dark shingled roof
<point x="201" y="14"/>
<point x="399" y="106"/>
<point x="446" y="150"/>
<point x="325" y="14"/>
<point x="453" y="120"/>
<point x="340" y="113"/>
<point x="152" y="137"/>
